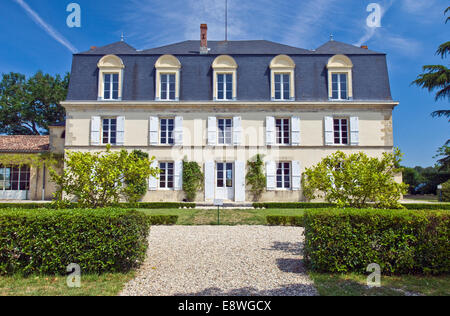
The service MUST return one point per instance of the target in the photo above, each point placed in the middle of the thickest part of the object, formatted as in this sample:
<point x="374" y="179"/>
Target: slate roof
<point x="335" y="47"/>
<point x="24" y="144"/>
<point x="370" y="73"/>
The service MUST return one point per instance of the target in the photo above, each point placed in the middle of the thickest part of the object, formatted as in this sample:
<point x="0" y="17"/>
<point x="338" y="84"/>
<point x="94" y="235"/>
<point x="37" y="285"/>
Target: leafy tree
<point x="356" y="180"/>
<point x="256" y="178"/>
<point x="193" y="180"/>
<point x="437" y="77"/>
<point x="412" y="178"/>
<point x="30" y="106"/>
<point x="444" y="162"/>
<point x="136" y="186"/>
<point x="101" y="179"/>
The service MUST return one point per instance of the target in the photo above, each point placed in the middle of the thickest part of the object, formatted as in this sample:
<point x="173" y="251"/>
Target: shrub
<point x="356" y="180"/>
<point x="430" y="206"/>
<point x="292" y="205"/>
<point x="256" y="178"/>
<point x="156" y="220"/>
<point x="400" y="241"/>
<point x="142" y="205"/>
<point x="101" y="179"/>
<point x="46" y="242"/>
<point x="275" y="220"/>
<point x="446" y="191"/>
<point x="193" y="180"/>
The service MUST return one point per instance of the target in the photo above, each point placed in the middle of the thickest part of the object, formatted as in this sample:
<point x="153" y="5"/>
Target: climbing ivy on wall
<point x="193" y="180"/>
<point x="255" y="177"/>
<point x="32" y="160"/>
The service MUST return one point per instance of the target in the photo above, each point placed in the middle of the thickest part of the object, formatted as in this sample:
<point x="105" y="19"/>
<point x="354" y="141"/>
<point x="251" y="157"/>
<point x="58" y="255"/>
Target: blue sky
<point x="410" y="34"/>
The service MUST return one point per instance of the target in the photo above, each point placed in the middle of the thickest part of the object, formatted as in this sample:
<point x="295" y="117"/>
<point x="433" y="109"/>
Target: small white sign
<point x="218" y="202"/>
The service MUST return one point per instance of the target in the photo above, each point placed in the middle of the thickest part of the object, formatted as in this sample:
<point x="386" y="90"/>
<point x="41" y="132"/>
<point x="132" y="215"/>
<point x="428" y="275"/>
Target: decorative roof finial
<point x="331" y="37"/>
<point x="122" y="38"/>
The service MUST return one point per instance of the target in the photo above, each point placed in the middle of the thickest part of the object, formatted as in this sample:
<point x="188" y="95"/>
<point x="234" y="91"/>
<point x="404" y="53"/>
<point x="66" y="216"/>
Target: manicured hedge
<point x="46" y="242"/>
<point x="292" y="205"/>
<point x="275" y="220"/>
<point x="156" y="220"/>
<point x="300" y="205"/>
<point x="400" y="241"/>
<point x="424" y="206"/>
<point x="162" y="205"/>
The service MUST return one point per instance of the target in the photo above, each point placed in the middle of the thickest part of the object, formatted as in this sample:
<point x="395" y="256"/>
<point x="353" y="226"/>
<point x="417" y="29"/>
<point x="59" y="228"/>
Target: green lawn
<point x="356" y="285"/>
<point x="227" y="217"/>
<point x="91" y="285"/>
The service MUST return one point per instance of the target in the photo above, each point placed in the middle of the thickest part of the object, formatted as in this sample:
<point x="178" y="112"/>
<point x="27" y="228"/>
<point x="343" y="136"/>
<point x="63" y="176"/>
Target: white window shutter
<point x="153" y="181"/>
<point x="237" y="131"/>
<point x="209" y="181"/>
<point x="178" y="175"/>
<point x="154" y="131"/>
<point x="212" y="131"/>
<point x="295" y="131"/>
<point x="354" y="131"/>
<point x="178" y="131"/>
<point x="296" y="175"/>
<point x="329" y="131"/>
<point x="95" y="130"/>
<point x="270" y="131"/>
<point x="239" y="181"/>
<point x="120" y="130"/>
<point x="271" y="173"/>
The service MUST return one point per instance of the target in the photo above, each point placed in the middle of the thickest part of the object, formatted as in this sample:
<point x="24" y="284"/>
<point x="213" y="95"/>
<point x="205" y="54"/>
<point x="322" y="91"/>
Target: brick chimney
<point x="365" y="46"/>
<point x="204" y="39"/>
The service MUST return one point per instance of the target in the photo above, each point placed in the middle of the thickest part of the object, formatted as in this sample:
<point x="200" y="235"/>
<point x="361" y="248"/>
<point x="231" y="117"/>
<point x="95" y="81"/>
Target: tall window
<point x="224" y="86"/>
<point x="111" y="87"/>
<point x="109" y="131"/>
<point x="282" y="87"/>
<point x="284" y="175"/>
<point x="225" y="127"/>
<point x="339" y="86"/>
<point x="14" y="178"/>
<point x="283" y="131"/>
<point x="168" y="87"/>
<point x="341" y="131"/>
<point x="167" y="128"/>
<point x="166" y="176"/>
<point x="224" y="175"/>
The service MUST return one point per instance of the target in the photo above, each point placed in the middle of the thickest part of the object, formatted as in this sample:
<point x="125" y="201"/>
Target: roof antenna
<point x="226" y="20"/>
<point x="122" y="38"/>
<point x="331" y="37"/>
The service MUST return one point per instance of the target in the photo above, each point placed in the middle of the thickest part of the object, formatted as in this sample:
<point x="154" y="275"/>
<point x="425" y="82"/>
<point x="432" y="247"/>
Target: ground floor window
<point x="14" y="178"/>
<point x="166" y="176"/>
<point x="284" y="175"/>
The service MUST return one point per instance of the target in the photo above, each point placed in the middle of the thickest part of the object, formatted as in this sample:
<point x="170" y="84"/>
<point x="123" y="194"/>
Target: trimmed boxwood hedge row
<point x="400" y="241"/>
<point x="157" y="205"/>
<point x="292" y="205"/>
<point x="46" y="242"/>
<point x="304" y="205"/>
<point x="279" y="220"/>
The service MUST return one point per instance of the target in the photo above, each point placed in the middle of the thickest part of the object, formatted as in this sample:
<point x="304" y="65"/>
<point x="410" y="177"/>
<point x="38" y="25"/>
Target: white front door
<point x="225" y="181"/>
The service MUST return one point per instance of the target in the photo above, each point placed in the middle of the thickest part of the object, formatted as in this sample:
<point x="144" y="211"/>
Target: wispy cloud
<point x="46" y="27"/>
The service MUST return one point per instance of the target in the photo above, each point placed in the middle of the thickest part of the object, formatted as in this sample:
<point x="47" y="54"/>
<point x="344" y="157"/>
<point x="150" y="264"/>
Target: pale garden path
<point x="223" y="260"/>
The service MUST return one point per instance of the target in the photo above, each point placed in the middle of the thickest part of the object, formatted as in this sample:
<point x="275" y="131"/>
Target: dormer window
<point x="110" y="78"/>
<point x="282" y="78"/>
<point x="168" y="87"/>
<point x="340" y="78"/>
<point x="111" y="86"/>
<point x="167" y="78"/>
<point x="225" y="78"/>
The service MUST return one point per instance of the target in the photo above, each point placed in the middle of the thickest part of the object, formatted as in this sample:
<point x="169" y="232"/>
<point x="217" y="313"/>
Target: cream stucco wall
<point x="375" y="133"/>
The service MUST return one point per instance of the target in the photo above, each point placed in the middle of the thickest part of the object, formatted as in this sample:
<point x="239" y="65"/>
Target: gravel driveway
<point x="223" y="261"/>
